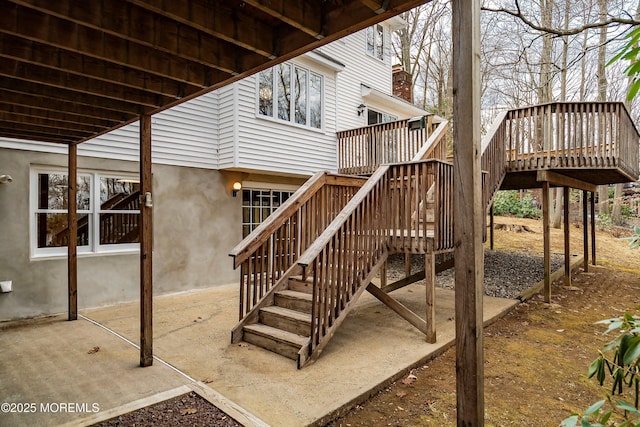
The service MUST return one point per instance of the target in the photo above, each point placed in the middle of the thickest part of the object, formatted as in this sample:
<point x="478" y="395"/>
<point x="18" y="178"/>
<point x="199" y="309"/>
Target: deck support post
<point x="146" y="244"/>
<point x="567" y="241"/>
<point x="585" y="231"/>
<point x="407" y="264"/>
<point x="491" y="224"/>
<point x="593" y="228"/>
<point x="72" y="223"/>
<point x="547" y="241"/>
<point x="469" y="213"/>
<point x="430" y="294"/>
<point x="383" y="275"/>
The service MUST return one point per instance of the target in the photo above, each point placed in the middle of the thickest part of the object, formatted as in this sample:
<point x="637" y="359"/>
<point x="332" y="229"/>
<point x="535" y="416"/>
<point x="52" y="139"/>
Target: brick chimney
<point x="401" y="83"/>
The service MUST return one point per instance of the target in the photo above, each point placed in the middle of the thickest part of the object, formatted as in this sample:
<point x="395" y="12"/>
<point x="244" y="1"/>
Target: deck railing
<point x="275" y="245"/>
<point x="344" y="258"/>
<point x="586" y="134"/>
<point x="362" y="150"/>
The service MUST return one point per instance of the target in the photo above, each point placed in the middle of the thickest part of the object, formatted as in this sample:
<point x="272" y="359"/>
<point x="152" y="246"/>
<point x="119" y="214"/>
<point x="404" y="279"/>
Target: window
<point x="107" y="207"/>
<point x="257" y="205"/>
<point x="375" y="41"/>
<point x="292" y="94"/>
<point x="374" y="117"/>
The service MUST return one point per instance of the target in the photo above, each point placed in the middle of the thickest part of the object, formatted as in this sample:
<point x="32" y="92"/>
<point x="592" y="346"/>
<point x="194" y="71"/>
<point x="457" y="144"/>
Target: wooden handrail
<point x="435" y="147"/>
<point x="274" y="246"/>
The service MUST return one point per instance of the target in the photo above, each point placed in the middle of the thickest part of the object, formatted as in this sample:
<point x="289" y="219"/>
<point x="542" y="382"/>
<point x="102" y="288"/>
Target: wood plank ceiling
<point x="71" y="70"/>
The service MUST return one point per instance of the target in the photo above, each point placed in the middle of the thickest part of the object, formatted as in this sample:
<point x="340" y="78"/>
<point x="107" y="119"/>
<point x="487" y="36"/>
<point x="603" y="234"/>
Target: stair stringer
<point x="306" y="356"/>
<point x="267" y="300"/>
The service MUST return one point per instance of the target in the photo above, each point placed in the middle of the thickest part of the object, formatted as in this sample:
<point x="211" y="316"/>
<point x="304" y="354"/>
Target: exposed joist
<point x="24" y="120"/>
<point x="305" y="15"/>
<point x="40" y="27"/>
<point x="54" y="115"/>
<point x="31" y="52"/>
<point x="128" y="22"/>
<point x="375" y="5"/>
<point x="63" y="80"/>
<point x="25" y="87"/>
<point x="47" y="104"/>
<point x="36" y="136"/>
<point x="558" y="180"/>
<point x="46" y="130"/>
<point x="230" y="24"/>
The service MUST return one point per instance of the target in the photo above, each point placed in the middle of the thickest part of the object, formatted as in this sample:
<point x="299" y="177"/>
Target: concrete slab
<point x="51" y="374"/>
<point x="192" y="333"/>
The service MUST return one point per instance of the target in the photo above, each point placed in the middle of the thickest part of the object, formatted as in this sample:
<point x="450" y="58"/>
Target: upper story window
<point x="375" y="41"/>
<point x="107" y="206"/>
<point x="290" y="93"/>
<point x="374" y="117"/>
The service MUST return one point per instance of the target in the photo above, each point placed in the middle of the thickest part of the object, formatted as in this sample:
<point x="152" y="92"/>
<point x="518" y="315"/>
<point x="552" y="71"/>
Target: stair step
<point x="276" y="340"/>
<point x="288" y="320"/>
<point x="298" y="301"/>
<point x="297" y="284"/>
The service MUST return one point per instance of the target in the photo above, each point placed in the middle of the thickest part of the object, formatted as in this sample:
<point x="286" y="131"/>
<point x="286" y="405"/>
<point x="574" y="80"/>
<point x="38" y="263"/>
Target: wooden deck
<point x="335" y="234"/>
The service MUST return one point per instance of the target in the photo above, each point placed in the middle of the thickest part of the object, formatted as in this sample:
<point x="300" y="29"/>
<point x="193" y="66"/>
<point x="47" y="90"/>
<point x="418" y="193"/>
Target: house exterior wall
<point x="195" y="226"/>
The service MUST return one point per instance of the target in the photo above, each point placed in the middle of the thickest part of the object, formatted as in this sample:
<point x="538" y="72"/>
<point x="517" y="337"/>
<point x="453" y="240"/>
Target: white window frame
<point x="253" y="224"/>
<point x="274" y="97"/>
<point x="378" y="51"/>
<point x="94" y="247"/>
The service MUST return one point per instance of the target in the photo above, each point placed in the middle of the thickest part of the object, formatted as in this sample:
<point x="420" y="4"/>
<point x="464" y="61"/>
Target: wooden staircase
<point x="303" y="269"/>
<point x="284" y="327"/>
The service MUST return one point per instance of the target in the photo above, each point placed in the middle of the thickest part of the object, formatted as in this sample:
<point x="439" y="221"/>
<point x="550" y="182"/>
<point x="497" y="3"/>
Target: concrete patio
<point x="50" y="361"/>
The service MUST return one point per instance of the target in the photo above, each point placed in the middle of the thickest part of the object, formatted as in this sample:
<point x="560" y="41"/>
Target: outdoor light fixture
<point x="5" y="179"/>
<point x="237" y="186"/>
<point x="361" y="108"/>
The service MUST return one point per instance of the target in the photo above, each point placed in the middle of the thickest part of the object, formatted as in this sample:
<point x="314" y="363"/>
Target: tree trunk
<point x="556" y="211"/>
<point x="603" y="190"/>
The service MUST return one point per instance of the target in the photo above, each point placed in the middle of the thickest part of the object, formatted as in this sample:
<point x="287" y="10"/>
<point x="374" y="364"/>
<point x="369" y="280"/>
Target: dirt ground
<point x="536" y="357"/>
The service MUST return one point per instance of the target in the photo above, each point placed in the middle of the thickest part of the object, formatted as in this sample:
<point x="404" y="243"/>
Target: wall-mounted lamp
<point x="5" y="179"/>
<point x="361" y="108"/>
<point x="237" y="186"/>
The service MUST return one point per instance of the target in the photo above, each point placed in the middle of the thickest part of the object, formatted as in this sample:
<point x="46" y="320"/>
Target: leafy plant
<point x="634" y="241"/>
<point x="631" y="52"/>
<point x="623" y="368"/>
<point x="510" y="203"/>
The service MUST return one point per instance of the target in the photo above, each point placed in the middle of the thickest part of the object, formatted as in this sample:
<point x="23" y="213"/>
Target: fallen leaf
<point x="400" y="408"/>
<point x="188" y="411"/>
<point x="409" y="380"/>
<point x="207" y="380"/>
<point x="559" y="330"/>
<point x="525" y="323"/>
<point x="243" y="344"/>
<point x="94" y="350"/>
<point x="401" y="394"/>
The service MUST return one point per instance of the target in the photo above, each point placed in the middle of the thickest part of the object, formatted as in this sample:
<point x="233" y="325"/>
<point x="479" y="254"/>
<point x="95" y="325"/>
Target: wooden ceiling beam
<point x="217" y="19"/>
<point x="305" y="15"/>
<point x="378" y="6"/>
<point x="39" y="27"/>
<point x="33" y="133"/>
<point x="82" y="84"/>
<point x="34" y="121"/>
<point x="25" y="87"/>
<point x="34" y="137"/>
<point x="118" y="19"/>
<point x="55" y="115"/>
<point x="50" y="105"/>
<point x="58" y="59"/>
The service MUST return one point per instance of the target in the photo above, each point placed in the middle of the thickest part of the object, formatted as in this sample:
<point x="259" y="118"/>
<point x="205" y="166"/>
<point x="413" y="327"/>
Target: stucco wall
<point x="196" y="223"/>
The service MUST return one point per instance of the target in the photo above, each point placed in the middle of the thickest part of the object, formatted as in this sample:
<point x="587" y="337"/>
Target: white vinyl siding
<point x="185" y="135"/>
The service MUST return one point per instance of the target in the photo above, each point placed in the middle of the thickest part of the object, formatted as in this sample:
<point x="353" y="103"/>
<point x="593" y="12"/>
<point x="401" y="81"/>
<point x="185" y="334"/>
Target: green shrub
<point x="509" y="202"/>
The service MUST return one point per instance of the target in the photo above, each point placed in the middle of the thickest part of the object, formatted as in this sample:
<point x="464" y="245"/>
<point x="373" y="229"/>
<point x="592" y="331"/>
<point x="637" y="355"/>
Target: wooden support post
<point x="72" y="222"/>
<point x="585" y="231"/>
<point x="146" y="248"/>
<point x="491" y="223"/>
<point x="546" y="230"/>
<point x="567" y="241"/>
<point x="430" y="294"/>
<point x="407" y="264"/>
<point x="593" y="228"/>
<point x="383" y="275"/>
<point x="469" y="213"/>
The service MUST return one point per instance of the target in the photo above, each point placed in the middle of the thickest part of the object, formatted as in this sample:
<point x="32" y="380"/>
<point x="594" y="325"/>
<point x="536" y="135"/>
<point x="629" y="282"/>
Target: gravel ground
<point x="506" y="273"/>
<point x="186" y="410"/>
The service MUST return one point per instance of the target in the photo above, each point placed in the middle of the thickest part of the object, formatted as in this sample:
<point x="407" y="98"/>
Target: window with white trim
<point x="107" y="206"/>
<point x="257" y="205"/>
<point x="375" y="41"/>
<point x="291" y="93"/>
<point x="374" y="117"/>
